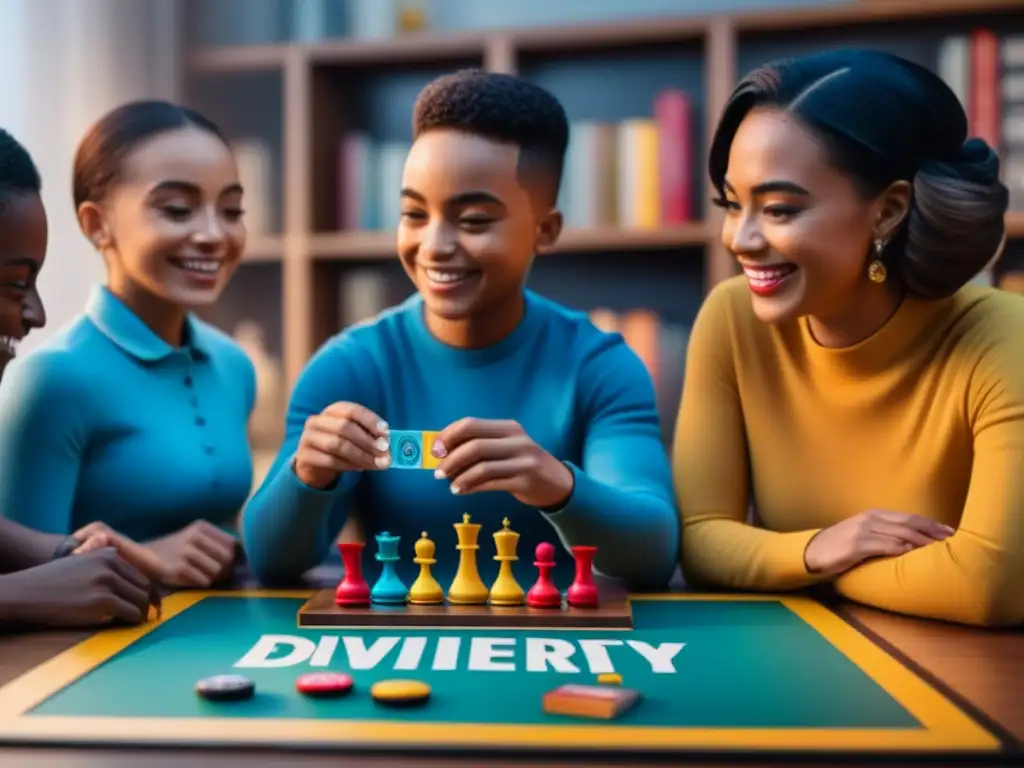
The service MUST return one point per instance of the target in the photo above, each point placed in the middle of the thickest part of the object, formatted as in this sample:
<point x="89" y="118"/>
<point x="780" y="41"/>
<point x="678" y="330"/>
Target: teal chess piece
<point x="389" y="589"/>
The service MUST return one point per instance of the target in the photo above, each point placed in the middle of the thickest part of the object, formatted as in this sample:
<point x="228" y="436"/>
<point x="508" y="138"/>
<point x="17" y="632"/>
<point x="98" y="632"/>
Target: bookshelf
<point x="301" y="98"/>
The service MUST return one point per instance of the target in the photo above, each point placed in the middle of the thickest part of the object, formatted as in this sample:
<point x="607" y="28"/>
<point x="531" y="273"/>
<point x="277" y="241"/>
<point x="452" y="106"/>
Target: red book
<point x="673" y="114"/>
<point x="984" y="110"/>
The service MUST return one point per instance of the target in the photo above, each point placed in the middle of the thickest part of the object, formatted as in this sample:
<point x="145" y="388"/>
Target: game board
<point x="716" y="674"/>
<point x="469" y="602"/>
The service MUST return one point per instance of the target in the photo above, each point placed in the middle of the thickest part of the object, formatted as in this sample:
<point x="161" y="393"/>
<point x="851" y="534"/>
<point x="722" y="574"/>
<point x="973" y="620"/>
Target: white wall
<point x="65" y="63"/>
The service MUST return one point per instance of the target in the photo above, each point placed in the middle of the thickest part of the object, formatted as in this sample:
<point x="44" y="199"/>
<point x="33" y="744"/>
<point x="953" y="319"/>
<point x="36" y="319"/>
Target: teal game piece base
<point x="388" y="599"/>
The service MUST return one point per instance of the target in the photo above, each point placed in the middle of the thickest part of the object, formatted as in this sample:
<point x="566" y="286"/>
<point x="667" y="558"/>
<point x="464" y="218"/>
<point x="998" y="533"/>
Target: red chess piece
<point x="544" y="594"/>
<point x="353" y="589"/>
<point x="583" y="591"/>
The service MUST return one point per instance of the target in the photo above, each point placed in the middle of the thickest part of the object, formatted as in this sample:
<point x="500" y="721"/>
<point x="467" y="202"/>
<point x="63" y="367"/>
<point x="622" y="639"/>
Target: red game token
<point x="323" y="684"/>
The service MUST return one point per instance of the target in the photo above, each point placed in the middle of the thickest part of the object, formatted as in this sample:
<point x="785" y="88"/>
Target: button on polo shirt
<point x="142" y="435"/>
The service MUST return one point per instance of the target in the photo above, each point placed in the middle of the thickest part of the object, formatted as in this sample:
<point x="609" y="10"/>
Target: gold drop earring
<point x="876" y="269"/>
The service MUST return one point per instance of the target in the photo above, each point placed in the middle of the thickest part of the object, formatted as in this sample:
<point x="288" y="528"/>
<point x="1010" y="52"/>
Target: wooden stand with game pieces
<point x="586" y="604"/>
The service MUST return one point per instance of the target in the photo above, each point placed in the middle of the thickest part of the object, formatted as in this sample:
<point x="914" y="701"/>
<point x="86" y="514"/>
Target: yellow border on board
<point x="944" y="725"/>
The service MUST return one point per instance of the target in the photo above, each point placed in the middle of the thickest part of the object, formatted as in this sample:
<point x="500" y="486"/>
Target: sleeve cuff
<point x="788" y="557"/>
<point x="583" y="496"/>
<point x="287" y="491"/>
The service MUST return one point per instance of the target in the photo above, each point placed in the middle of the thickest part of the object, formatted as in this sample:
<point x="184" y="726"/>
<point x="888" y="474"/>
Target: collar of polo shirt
<point x="126" y="329"/>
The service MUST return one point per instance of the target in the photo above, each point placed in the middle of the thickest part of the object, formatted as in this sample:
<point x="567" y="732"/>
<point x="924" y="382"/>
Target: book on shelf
<point x="357" y="19"/>
<point x="633" y="174"/>
<point x="369" y="182"/>
<point x="255" y="168"/>
<point x="986" y="71"/>
<point x="661" y="347"/>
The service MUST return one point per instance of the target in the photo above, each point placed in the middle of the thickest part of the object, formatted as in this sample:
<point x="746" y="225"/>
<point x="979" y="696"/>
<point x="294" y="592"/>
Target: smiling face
<point x="173" y="227"/>
<point x="469" y="228"/>
<point x="23" y="239"/>
<point x="799" y="227"/>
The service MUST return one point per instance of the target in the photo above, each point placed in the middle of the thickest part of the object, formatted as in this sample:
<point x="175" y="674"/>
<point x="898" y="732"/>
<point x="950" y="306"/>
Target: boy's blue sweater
<point x="580" y="393"/>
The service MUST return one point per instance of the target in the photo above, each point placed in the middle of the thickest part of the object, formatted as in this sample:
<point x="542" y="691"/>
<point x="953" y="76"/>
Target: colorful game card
<point x="410" y="449"/>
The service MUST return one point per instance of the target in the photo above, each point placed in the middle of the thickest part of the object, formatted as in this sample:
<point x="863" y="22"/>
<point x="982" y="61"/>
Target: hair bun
<point x="976" y="162"/>
<point x="955" y="224"/>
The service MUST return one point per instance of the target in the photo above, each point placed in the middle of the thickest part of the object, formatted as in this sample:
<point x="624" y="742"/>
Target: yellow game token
<point x="398" y="692"/>
<point x="609" y="678"/>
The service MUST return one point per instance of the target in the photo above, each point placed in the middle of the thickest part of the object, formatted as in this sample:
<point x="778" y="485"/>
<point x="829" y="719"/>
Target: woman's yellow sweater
<point x="924" y="417"/>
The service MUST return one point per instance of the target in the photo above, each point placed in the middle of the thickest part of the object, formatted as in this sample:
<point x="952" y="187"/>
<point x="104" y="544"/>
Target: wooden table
<point x="985" y="669"/>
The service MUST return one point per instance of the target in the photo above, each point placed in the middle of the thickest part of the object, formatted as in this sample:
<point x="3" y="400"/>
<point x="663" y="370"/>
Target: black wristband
<point x="66" y="547"/>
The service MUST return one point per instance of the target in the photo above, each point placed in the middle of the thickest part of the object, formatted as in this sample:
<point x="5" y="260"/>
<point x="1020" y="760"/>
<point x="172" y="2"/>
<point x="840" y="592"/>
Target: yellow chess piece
<point x="425" y="590"/>
<point x="505" y="590"/>
<point x="467" y="587"/>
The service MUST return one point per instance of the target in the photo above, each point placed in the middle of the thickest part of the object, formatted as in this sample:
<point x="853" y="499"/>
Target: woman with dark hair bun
<point x="135" y="415"/>
<point x="853" y="410"/>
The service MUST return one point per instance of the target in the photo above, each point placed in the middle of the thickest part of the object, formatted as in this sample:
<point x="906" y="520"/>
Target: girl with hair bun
<point x="853" y="410"/>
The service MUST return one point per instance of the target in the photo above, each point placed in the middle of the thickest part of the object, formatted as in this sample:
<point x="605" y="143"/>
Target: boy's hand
<point x="484" y="455"/>
<point x="342" y="438"/>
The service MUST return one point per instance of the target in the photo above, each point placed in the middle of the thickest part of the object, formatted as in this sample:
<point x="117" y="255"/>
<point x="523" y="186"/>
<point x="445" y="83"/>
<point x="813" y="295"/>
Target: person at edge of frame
<point x="150" y="431"/>
<point x="94" y="576"/>
<point x="852" y="384"/>
<point x="542" y="418"/>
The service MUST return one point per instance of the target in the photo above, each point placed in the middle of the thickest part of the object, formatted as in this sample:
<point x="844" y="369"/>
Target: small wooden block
<point x="614" y="612"/>
<point x="594" y="701"/>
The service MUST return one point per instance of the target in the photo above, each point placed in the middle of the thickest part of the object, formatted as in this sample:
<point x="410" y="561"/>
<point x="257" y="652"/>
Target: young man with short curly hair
<point x="542" y="418"/>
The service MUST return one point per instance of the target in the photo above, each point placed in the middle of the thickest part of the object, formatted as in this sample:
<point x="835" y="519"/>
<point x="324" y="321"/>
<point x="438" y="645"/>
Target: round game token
<point x="397" y="693"/>
<point x="226" y="688"/>
<point x="609" y="678"/>
<point x="324" y="684"/>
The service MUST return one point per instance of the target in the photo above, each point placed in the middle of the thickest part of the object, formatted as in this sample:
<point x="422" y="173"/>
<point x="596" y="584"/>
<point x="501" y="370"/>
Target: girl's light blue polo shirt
<point x="108" y="422"/>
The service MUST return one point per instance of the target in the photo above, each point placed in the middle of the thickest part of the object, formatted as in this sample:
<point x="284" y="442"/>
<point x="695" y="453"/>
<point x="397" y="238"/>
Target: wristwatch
<point x="66" y="547"/>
